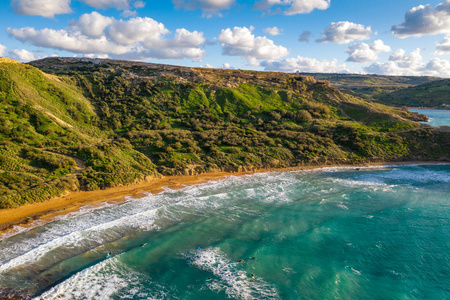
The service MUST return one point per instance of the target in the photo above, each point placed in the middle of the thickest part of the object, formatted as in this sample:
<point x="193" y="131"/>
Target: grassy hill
<point x="408" y="91"/>
<point x="371" y="85"/>
<point x="92" y="124"/>
<point x="433" y="94"/>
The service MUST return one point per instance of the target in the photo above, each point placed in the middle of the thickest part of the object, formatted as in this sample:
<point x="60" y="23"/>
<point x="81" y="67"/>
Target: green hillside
<point x="433" y="94"/>
<point x="368" y="86"/>
<point x="91" y="124"/>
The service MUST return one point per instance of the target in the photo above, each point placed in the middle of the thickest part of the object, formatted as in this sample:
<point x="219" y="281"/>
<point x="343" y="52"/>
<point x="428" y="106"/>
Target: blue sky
<point x="392" y="37"/>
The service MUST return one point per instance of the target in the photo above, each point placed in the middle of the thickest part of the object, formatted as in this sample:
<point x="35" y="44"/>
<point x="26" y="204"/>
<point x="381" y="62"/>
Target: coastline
<point x="34" y="215"/>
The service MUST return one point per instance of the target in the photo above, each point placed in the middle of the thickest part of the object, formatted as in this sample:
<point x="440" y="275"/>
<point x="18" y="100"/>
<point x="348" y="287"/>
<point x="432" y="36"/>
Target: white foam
<point x="103" y="281"/>
<point x="85" y="239"/>
<point x="342" y="205"/>
<point x="232" y="279"/>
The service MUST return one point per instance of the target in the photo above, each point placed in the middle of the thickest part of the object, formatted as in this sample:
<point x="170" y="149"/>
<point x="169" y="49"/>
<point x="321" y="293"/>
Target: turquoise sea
<point x="336" y="233"/>
<point x="437" y="117"/>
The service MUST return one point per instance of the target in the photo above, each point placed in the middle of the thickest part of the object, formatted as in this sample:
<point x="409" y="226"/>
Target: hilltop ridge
<point x="77" y="123"/>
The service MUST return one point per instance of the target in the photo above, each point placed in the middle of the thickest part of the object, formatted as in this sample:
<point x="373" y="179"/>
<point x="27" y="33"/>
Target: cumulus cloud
<point x="363" y="52"/>
<point x="139" y="4"/>
<point x="64" y="40"/>
<point x="92" y="25"/>
<point x="273" y="31"/>
<point x="423" y="20"/>
<point x="444" y="46"/>
<point x="136" y="38"/>
<point x="208" y="7"/>
<point x="2" y="50"/>
<point x="292" y="7"/>
<point x="241" y="42"/>
<point x="104" y="4"/>
<point x="400" y="64"/>
<point x="304" y="64"/>
<point x="50" y="8"/>
<point x="44" y="8"/>
<point x="438" y="67"/>
<point x="414" y="61"/>
<point x="21" y="55"/>
<point x="397" y="55"/>
<point x="227" y="66"/>
<point x="304" y="37"/>
<point x="128" y="13"/>
<point x="345" y="32"/>
<point x="136" y="30"/>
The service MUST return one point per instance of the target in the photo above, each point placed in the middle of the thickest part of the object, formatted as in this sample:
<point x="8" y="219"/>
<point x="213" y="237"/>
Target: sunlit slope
<point x="70" y="123"/>
<point x="433" y="94"/>
<point x="194" y="119"/>
<point x="40" y="115"/>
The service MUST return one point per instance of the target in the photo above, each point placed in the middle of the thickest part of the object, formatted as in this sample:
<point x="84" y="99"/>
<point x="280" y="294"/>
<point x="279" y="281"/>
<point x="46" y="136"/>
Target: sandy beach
<point x="47" y="211"/>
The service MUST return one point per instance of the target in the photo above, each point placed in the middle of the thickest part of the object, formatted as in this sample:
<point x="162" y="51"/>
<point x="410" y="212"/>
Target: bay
<point x="344" y="233"/>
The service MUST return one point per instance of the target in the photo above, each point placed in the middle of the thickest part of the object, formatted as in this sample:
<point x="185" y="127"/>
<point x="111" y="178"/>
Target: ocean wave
<point x="64" y="247"/>
<point x="103" y="281"/>
<point x="230" y="276"/>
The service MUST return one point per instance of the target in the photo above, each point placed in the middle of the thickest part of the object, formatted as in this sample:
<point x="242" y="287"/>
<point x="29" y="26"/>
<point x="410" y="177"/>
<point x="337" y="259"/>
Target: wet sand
<point x="47" y="211"/>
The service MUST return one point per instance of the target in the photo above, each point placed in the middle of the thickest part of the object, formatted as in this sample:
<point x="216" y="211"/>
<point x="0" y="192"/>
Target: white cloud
<point x="139" y="4"/>
<point x="423" y="20"/>
<point x="295" y="6"/>
<point x="92" y="25"/>
<point x="227" y="66"/>
<point x="22" y="55"/>
<point x="208" y="7"/>
<point x="64" y="40"/>
<point x="50" y="8"/>
<point x="2" y="50"/>
<point x="397" y="55"/>
<point x="128" y="13"/>
<point x="345" y="32"/>
<point x="96" y="56"/>
<point x="413" y="61"/>
<point x="136" y="30"/>
<point x="104" y="4"/>
<point x="241" y="42"/>
<point x="304" y="37"/>
<point x="208" y="66"/>
<point x="136" y="38"/>
<point x="438" y="67"/>
<point x="304" y="64"/>
<point x="363" y="52"/>
<point x="44" y="8"/>
<point x="306" y="6"/>
<point x="444" y="46"/>
<point x="400" y="64"/>
<point x="273" y="31"/>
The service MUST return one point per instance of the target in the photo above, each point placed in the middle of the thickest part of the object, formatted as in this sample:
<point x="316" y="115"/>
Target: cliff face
<point x="70" y="123"/>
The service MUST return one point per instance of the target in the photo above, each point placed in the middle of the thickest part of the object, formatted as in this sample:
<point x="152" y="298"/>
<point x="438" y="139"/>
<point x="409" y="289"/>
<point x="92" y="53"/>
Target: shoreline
<point x="30" y="216"/>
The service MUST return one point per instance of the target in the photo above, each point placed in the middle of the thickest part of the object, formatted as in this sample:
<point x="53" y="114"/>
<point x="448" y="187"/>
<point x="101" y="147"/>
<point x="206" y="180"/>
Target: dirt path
<point x="80" y="164"/>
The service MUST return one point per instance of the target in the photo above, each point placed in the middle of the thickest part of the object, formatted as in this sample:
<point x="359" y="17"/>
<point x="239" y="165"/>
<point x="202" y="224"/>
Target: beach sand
<point x="48" y="211"/>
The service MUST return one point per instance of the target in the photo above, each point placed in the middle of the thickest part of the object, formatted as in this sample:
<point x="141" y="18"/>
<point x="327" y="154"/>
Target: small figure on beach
<point x="170" y="181"/>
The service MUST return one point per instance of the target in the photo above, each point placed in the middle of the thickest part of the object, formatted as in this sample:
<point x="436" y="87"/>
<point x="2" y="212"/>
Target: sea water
<point x="337" y="233"/>
<point x="437" y="117"/>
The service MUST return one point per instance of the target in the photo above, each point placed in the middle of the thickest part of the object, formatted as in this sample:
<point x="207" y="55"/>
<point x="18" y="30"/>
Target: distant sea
<point x="437" y="117"/>
<point x="335" y="233"/>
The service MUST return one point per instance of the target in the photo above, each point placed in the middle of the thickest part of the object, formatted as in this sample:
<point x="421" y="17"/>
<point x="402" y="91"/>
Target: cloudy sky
<point x="392" y="37"/>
